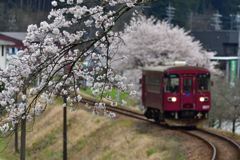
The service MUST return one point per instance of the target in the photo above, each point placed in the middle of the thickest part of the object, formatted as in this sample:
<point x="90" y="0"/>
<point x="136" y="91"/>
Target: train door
<point x="187" y="92"/>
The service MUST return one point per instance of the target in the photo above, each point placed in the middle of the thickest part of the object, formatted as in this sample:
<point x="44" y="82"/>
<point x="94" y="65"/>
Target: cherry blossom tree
<point x="148" y="42"/>
<point x="54" y="56"/>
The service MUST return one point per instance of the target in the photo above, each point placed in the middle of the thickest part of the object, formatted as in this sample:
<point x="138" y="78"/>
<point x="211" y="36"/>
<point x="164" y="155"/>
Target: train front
<point x="187" y="97"/>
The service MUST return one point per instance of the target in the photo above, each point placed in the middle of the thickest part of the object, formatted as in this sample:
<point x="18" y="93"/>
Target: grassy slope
<point x="97" y="138"/>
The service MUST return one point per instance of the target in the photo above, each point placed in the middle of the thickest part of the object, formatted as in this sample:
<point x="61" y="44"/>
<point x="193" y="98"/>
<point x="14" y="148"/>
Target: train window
<point x="153" y="84"/>
<point x="187" y="85"/>
<point x="203" y="82"/>
<point x="171" y="83"/>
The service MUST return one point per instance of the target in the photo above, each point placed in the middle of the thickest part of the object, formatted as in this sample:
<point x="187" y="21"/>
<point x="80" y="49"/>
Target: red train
<point x="178" y="95"/>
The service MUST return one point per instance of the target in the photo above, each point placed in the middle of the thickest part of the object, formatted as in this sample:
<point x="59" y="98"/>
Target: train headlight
<point x="172" y="99"/>
<point x="203" y="99"/>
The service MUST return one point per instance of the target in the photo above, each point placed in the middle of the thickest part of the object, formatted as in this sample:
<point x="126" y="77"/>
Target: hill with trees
<point x="197" y="14"/>
<point x="16" y="15"/>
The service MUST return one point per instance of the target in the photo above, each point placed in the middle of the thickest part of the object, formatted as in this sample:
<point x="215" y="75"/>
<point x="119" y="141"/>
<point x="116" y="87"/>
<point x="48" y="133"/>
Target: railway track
<point x="119" y="110"/>
<point x="220" y="147"/>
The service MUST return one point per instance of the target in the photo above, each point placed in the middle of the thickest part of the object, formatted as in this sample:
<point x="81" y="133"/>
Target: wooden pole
<point x="16" y="132"/>
<point x="23" y="138"/>
<point x="16" y="138"/>
<point x="65" y="122"/>
<point x="23" y="132"/>
<point x="65" y="128"/>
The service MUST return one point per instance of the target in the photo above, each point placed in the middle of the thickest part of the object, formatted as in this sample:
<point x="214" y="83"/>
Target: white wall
<point x="3" y="60"/>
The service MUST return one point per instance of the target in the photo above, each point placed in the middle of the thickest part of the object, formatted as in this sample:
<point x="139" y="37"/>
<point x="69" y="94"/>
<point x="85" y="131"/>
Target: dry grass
<point x="95" y="138"/>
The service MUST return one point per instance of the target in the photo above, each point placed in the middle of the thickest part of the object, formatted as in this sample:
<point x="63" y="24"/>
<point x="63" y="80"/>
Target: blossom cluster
<point x="53" y="58"/>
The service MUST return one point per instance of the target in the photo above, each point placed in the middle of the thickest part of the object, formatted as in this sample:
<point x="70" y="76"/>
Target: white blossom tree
<point x="54" y="56"/>
<point x="148" y="42"/>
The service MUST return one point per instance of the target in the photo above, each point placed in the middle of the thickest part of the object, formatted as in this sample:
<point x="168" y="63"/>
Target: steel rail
<point x="125" y="112"/>
<point x="237" y="146"/>
<point x="119" y="108"/>
<point x="205" y="140"/>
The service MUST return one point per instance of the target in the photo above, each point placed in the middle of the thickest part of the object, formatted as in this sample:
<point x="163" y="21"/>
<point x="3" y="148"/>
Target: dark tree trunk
<point x="44" y="3"/>
<point x="21" y="4"/>
<point x="219" y="124"/>
<point x="48" y="5"/>
<point x="233" y="126"/>
<point x="39" y="5"/>
<point x="30" y="4"/>
<point x="212" y="122"/>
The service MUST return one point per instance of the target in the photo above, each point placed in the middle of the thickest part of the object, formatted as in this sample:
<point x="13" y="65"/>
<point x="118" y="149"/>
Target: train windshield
<point x="171" y="83"/>
<point x="203" y="82"/>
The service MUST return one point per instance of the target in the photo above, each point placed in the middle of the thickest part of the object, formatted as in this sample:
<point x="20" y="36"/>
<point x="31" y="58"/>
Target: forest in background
<point x="16" y="15"/>
<point x="198" y="14"/>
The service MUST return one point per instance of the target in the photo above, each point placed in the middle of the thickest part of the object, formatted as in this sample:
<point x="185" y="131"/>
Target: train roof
<point x="171" y="68"/>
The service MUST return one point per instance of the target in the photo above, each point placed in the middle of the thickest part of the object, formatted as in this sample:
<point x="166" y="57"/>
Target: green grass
<point x="82" y="143"/>
<point x="151" y="151"/>
<point x="181" y="157"/>
<point x="3" y="153"/>
<point x="47" y="154"/>
<point x="125" y="123"/>
<point x="171" y="139"/>
<point x="108" y="156"/>
<point x="69" y="122"/>
<point x="59" y="101"/>
<point x="3" y="144"/>
<point x="113" y="94"/>
<point x="97" y="121"/>
<point x="43" y="144"/>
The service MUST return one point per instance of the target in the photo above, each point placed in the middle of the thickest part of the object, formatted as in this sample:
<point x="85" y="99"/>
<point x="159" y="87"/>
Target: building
<point x="225" y="44"/>
<point x="16" y="38"/>
<point x="3" y="53"/>
<point x="12" y="46"/>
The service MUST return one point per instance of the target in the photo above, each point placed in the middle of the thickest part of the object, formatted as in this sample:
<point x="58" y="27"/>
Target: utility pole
<point x="23" y="129"/>
<point x="13" y="24"/>
<point x="191" y="16"/>
<point x="65" y="122"/>
<point x="217" y="21"/>
<point x="231" y="27"/>
<point x="16" y="129"/>
<point x="238" y="25"/>
<point x="170" y="13"/>
<point x="65" y="128"/>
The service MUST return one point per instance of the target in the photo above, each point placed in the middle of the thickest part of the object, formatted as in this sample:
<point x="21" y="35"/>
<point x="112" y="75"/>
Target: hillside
<point x="99" y="138"/>
<point x="16" y="15"/>
<point x="197" y="14"/>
